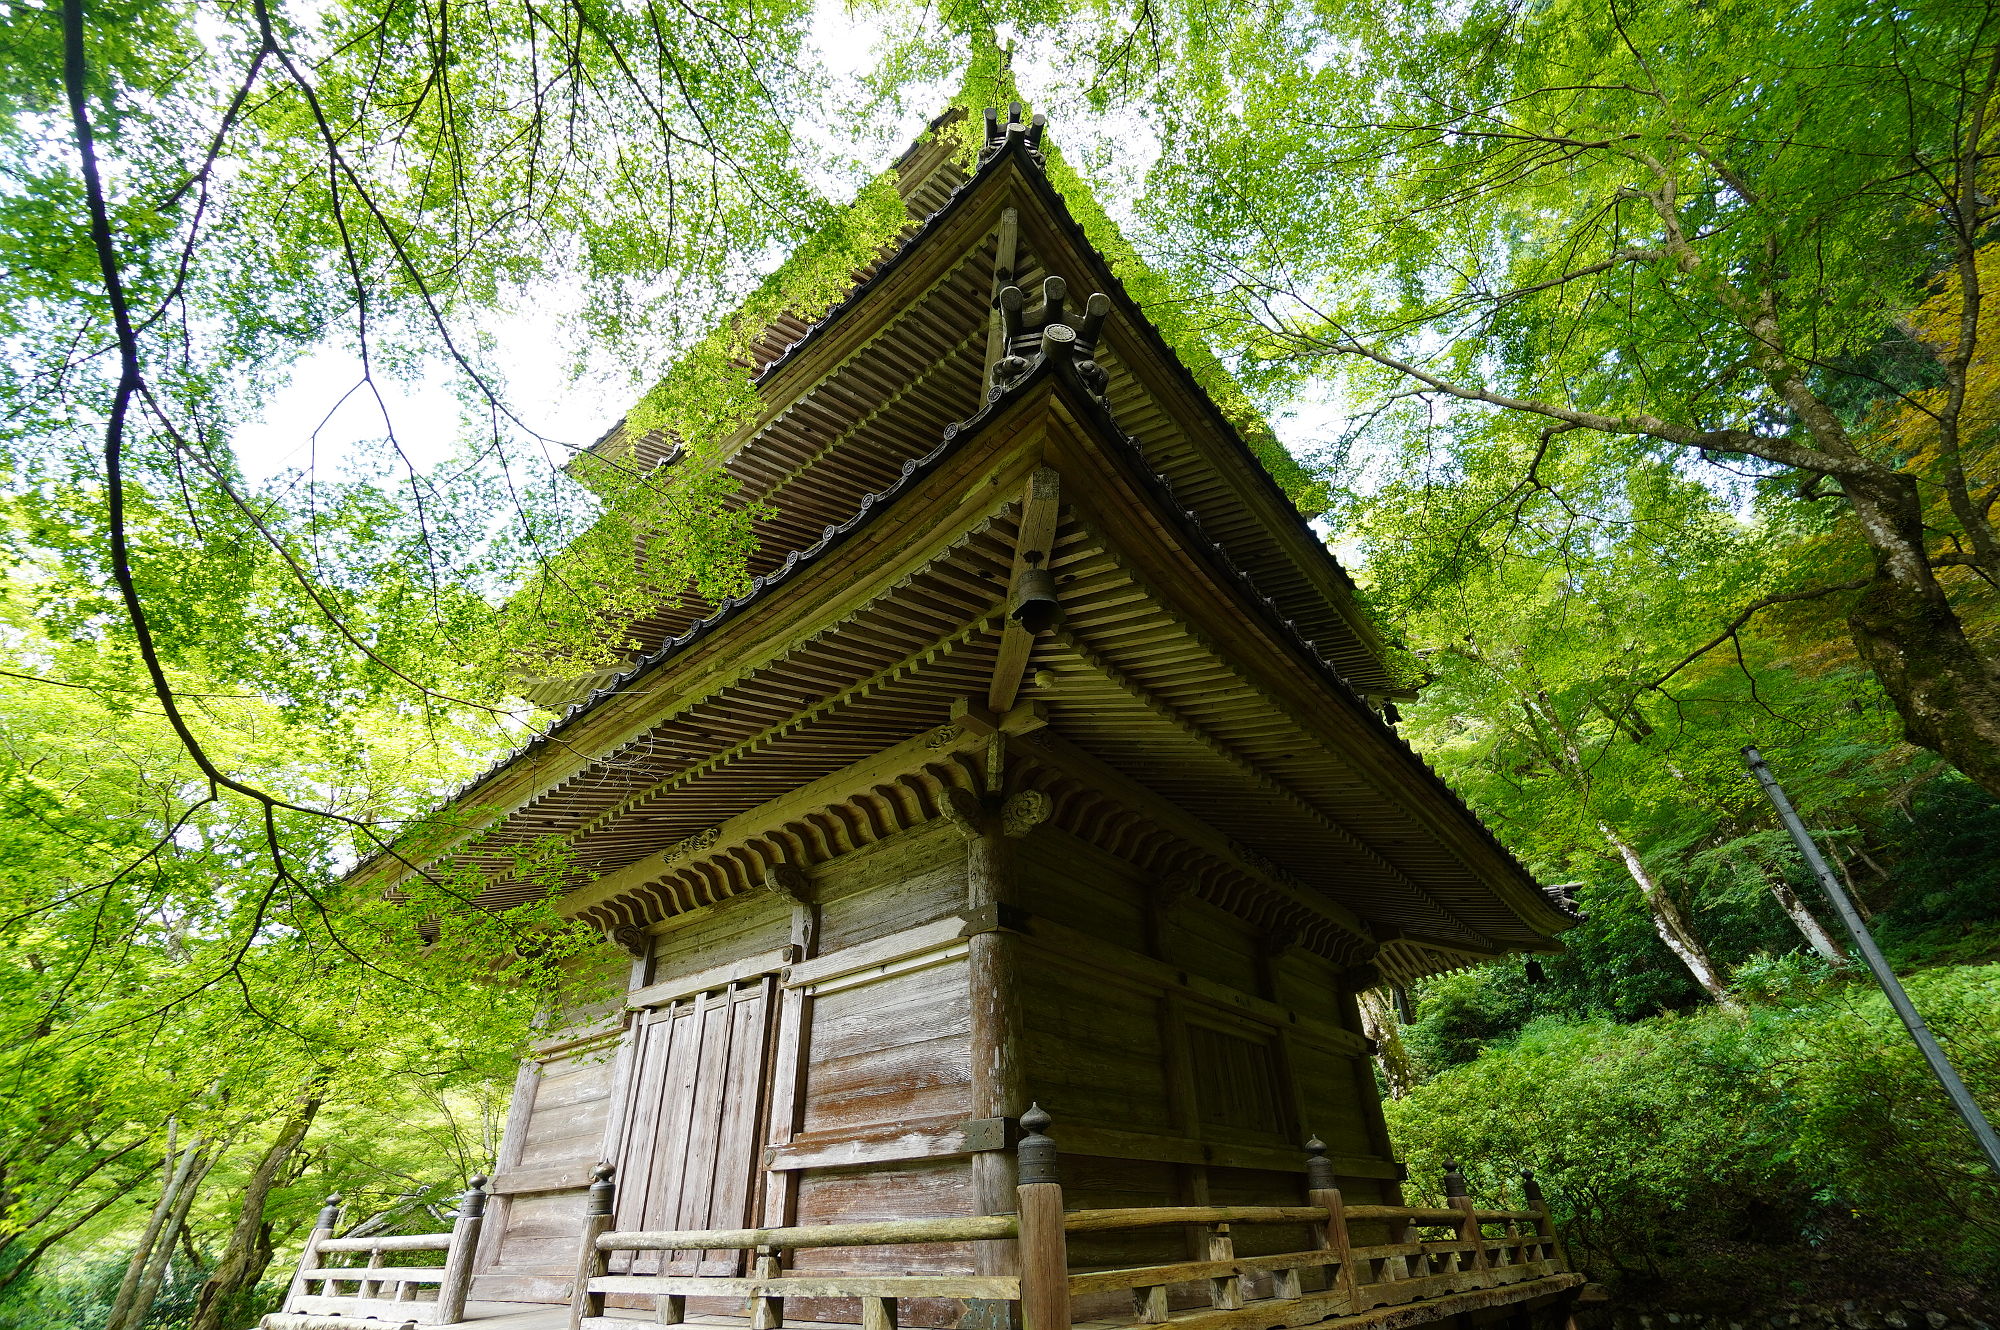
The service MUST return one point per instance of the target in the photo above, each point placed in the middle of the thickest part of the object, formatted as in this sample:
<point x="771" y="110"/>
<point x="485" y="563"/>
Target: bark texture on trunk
<point x="129" y="1308"/>
<point x="1378" y="1022"/>
<point x="1905" y="628"/>
<point x="176" y="1231"/>
<point x="1814" y="932"/>
<point x="248" y="1250"/>
<point x="1668" y="920"/>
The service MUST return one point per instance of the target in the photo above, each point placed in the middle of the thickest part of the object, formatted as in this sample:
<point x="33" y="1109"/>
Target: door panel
<point x="691" y="1144"/>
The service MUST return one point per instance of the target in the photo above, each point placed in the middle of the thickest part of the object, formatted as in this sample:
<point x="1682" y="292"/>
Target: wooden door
<point x="690" y="1153"/>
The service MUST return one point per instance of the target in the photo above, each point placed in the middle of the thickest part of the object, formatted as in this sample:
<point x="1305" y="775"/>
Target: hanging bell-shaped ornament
<point x="1035" y="606"/>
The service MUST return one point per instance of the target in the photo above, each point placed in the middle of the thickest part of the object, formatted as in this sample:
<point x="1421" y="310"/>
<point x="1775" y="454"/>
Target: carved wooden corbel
<point x="788" y="883"/>
<point x="965" y="810"/>
<point x="632" y="940"/>
<point x="1024" y="812"/>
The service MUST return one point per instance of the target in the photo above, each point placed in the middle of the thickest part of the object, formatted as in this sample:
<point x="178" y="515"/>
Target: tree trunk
<point x="1668" y="921"/>
<point x="1379" y="1023"/>
<point x="174" y="1177"/>
<point x="248" y="1250"/>
<point x="163" y="1255"/>
<point x="1904" y="626"/>
<point x="1814" y="932"/>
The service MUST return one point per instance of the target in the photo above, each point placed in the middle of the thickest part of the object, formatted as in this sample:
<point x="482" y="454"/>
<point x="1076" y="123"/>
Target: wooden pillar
<point x="457" y="1281"/>
<point x="997" y="1073"/>
<point x="590" y="1262"/>
<point x="998" y="1081"/>
<point x="1044" y="1243"/>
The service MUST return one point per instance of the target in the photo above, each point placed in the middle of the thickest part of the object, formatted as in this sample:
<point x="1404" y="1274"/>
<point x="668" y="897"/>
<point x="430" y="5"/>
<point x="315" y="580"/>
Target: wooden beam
<point x="1041" y="502"/>
<point x="1006" y="242"/>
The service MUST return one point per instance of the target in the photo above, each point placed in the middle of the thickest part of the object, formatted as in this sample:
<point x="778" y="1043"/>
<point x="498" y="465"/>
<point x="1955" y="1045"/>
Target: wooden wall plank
<point x="894" y="884"/>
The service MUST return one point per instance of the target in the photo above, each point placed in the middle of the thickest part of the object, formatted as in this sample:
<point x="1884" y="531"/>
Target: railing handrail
<point x="389" y="1242"/>
<point x="1162" y="1216"/>
<point x="977" y="1228"/>
<point x="1408" y="1214"/>
<point x="877" y="1233"/>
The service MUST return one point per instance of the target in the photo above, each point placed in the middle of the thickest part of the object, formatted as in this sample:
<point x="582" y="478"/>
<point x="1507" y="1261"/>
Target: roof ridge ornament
<point x="999" y="135"/>
<point x="1047" y="333"/>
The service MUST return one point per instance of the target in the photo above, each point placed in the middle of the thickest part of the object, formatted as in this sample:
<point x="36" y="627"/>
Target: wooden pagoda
<point x="1044" y="762"/>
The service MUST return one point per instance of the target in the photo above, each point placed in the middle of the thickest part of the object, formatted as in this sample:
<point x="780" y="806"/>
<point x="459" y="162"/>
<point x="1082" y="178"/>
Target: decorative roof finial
<point x="998" y="135"/>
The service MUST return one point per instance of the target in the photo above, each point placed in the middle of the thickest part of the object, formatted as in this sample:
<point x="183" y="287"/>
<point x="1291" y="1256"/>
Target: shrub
<point x="1797" y="1146"/>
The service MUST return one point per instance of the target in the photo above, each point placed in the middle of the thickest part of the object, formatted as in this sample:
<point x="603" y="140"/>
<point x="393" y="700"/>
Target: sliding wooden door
<point x="695" y="1127"/>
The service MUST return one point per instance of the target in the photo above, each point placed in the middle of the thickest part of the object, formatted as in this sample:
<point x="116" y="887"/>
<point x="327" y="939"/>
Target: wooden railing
<point x="376" y="1288"/>
<point x="1429" y="1252"/>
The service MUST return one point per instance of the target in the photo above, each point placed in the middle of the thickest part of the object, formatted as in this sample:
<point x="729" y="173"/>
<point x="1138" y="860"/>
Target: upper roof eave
<point x="1297" y="531"/>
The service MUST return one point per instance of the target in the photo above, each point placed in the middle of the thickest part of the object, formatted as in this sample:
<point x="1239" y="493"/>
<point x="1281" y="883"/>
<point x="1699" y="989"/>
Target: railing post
<point x="457" y="1281"/>
<point x="1333" y="1237"/>
<point x="323" y="1228"/>
<point x="1044" y="1244"/>
<point x="1552" y="1247"/>
<point x="1456" y="1197"/>
<point x="590" y="1262"/>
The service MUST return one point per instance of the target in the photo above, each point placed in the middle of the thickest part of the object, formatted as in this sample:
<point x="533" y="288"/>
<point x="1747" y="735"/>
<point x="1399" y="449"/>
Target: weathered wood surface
<point x="811" y="1286"/>
<point x="872" y="1143"/>
<point x="406" y="1242"/>
<point x="379" y="1274"/>
<point x="1159" y="1216"/>
<point x="1099" y="1281"/>
<point x="550" y="1177"/>
<point x="928" y="937"/>
<point x="388" y="1309"/>
<point x="1436" y="1307"/>
<point x="716" y="976"/>
<point x="883" y="1232"/>
<point x="308" y="1321"/>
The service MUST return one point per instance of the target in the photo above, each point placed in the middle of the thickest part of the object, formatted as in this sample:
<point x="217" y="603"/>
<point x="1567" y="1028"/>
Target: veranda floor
<point x="1261" y="1314"/>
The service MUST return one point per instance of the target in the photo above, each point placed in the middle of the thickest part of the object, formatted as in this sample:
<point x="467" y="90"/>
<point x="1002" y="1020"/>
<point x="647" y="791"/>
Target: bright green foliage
<point x="1543" y="248"/>
<point x="1719" y="1154"/>
<point x="167" y="956"/>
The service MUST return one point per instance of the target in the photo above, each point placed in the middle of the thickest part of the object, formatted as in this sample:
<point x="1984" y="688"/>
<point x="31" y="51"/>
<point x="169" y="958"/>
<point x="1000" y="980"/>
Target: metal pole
<point x="1864" y="942"/>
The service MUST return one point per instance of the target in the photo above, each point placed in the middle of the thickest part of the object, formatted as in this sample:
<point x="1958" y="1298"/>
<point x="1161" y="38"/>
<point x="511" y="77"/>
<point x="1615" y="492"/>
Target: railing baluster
<point x="878" y="1314"/>
<point x="368" y="1287"/>
<point x="1401" y="1233"/>
<point x="766" y="1312"/>
<point x="1149" y="1304"/>
<point x="1225" y="1291"/>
